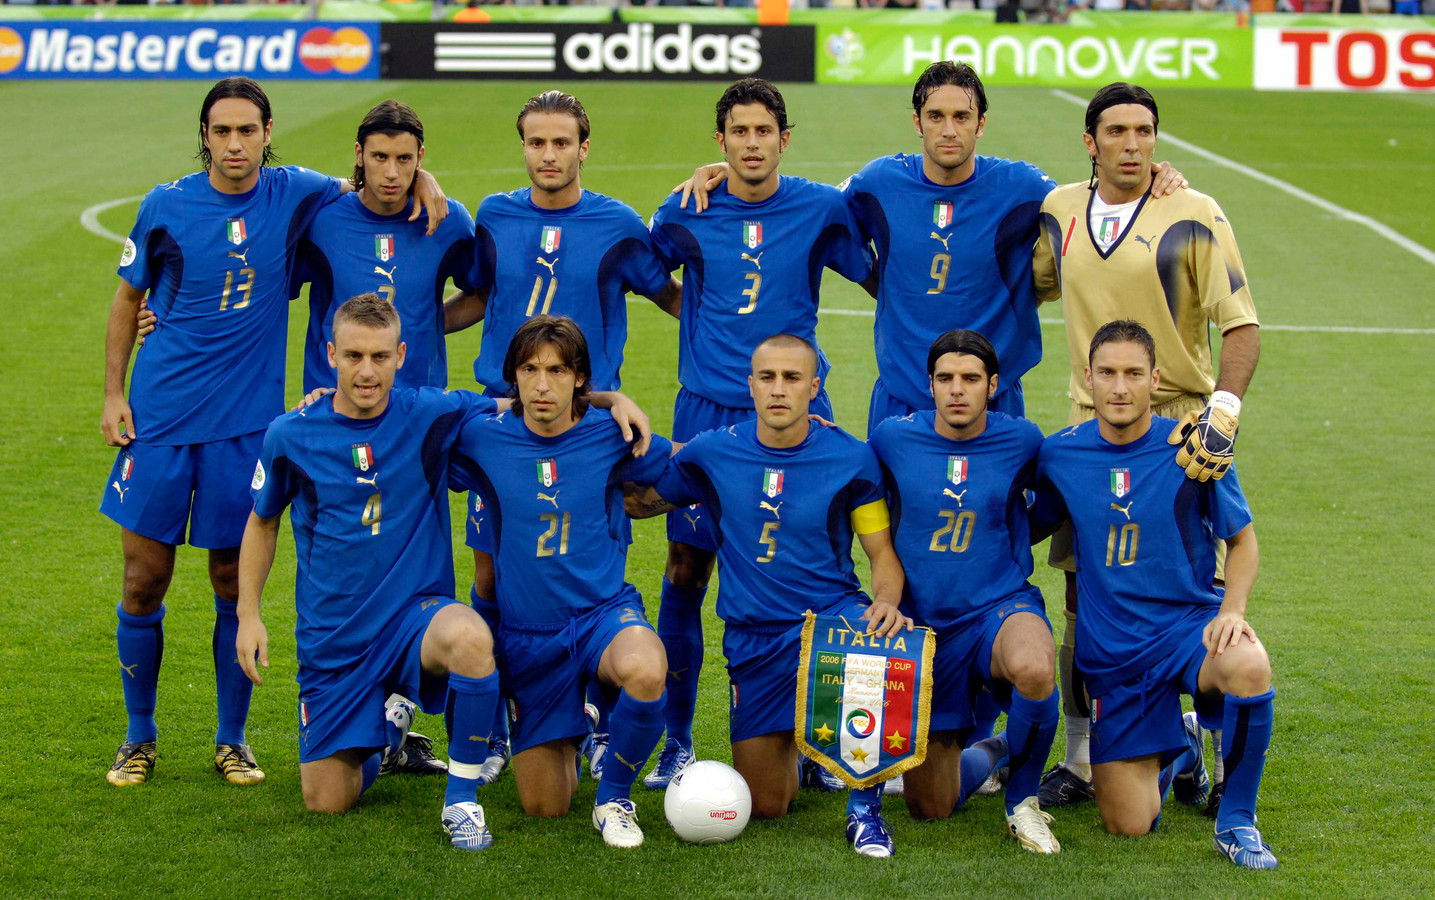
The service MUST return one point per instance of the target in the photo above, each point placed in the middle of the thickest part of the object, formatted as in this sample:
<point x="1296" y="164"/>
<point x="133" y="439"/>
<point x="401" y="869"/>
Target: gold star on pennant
<point x="859" y="755"/>
<point x="895" y="741"/>
<point x="824" y="734"/>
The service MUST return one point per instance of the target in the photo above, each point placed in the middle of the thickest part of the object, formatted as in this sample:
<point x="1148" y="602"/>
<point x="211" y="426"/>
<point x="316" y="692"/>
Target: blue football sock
<point x="141" y="647"/>
<point x="231" y="686"/>
<point x="865" y="798"/>
<point x="1182" y="762"/>
<point x="986" y="711"/>
<point x="470" y="716"/>
<point x="605" y="702"/>
<point x="1030" y="729"/>
<point x="978" y="761"/>
<point x="488" y="609"/>
<point x="680" y="626"/>
<point x="370" y="769"/>
<point x="1246" y="736"/>
<point x="635" y="729"/>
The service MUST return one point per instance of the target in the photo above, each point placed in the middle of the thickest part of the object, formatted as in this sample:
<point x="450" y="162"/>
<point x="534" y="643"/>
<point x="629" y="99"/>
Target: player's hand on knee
<point x="251" y="643"/>
<point x="705" y="179"/>
<point x="311" y="398"/>
<point x="429" y="196"/>
<point x="145" y="319"/>
<point x="117" y="422"/>
<point x="1208" y="439"/>
<point x="885" y="619"/>
<point x="1225" y="631"/>
<point x="1166" y="180"/>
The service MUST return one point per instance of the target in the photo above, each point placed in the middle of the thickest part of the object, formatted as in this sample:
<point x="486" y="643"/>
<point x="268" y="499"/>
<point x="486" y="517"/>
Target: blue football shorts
<point x="545" y="670"/>
<point x="156" y="490"/>
<point x="962" y="665"/>
<point x="344" y="709"/>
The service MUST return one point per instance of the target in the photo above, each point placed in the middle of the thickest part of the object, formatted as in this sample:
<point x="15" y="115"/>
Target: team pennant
<point x="942" y="214"/>
<point x="237" y="232"/>
<point x="772" y="482"/>
<point x="363" y="456"/>
<point x="956" y="469"/>
<point x="547" y="471"/>
<point x="551" y="235"/>
<point x="864" y="703"/>
<point x="1120" y="482"/>
<point x="384" y="247"/>
<point x="751" y="234"/>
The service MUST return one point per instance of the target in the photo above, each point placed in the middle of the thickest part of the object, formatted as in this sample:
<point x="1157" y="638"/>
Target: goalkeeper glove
<point x="1208" y="438"/>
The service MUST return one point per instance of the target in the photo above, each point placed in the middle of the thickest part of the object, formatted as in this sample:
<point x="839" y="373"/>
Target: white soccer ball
<point x="708" y="803"/>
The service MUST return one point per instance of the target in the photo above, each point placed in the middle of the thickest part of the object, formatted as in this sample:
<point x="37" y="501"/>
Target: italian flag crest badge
<point x="942" y="214"/>
<point x="236" y="232"/>
<point x="551" y="236"/>
<point x="363" y="457"/>
<point x="772" y="482"/>
<point x="547" y="472"/>
<point x="751" y="235"/>
<point x="384" y="247"/>
<point x="1120" y="482"/>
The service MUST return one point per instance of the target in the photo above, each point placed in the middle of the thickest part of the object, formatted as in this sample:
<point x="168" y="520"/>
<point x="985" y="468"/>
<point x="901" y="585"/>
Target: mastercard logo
<point x="347" y="50"/>
<point x="12" y="50"/>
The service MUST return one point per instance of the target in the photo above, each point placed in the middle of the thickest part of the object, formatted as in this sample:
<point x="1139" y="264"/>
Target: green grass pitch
<point x="1334" y="454"/>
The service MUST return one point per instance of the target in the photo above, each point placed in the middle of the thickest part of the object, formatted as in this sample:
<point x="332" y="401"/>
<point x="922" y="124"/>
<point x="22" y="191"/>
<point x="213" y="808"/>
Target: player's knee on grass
<point x="546" y="779"/>
<point x="1128" y="798"/>
<point x="330" y="785"/>
<point x="1128" y="820"/>
<point x="769" y="765"/>
<point x="689" y="566"/>
<point x="932" y="789"/>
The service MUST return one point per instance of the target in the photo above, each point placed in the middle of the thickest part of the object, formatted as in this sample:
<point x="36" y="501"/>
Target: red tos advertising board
<point x="1344" y="59"/>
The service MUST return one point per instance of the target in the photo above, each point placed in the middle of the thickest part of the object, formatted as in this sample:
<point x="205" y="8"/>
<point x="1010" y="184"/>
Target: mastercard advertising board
<point x="140" y="49"/>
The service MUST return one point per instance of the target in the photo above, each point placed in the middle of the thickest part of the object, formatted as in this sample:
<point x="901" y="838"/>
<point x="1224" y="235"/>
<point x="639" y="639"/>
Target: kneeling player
<point x="551" y="475"/>
<point x="365" y="473"/>
<point x="956" y="481"/>
<point x="1152" y="627"/>
<point x="786" y="497"/>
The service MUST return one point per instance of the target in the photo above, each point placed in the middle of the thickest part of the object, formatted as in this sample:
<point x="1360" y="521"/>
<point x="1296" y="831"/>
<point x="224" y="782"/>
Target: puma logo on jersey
<point x="1222" y="221"/>
<point x="692" y="520"/>
<point x="371" y="482"/>
<point x="619" y="757"/>
<point x="129" y="669"/>
<point x="755" y="260"/>
<point x="119" y="490"/>
<point x="1124" y="510"/>
<point x="479" y="740"/>
<point x="1142" y="240"/>
<point x="763" y="504"/>
<point x="389" y="274"/>
<point x="174" y="186"/>
<point x="553" y="499"/>
<point x="240" y="256"/>
<point x="549" y="265"/>
<point x="476" y="526"/>
<point x="676" y="674"/>
<point x="948" y="492"/>
<point x="942" y="239"/>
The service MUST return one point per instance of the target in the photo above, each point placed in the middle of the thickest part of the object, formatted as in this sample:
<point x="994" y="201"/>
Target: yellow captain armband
<point x="871" y="518"/>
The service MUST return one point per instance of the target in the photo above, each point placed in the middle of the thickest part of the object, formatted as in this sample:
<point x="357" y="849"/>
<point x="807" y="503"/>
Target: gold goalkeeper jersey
<point x="1174" y="268"/>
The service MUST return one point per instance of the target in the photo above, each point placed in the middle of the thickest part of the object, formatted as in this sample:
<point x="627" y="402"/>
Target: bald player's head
<point x="788" y="342"/>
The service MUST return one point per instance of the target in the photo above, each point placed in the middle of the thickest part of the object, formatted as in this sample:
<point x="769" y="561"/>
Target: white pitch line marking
<point x="1380" y="228"/>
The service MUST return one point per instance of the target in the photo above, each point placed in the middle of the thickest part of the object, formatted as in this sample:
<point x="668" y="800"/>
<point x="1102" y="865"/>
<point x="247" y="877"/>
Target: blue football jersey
<point x="752" y="270"/>
<point x="217" y="269"/>
<point x="783" y="517"/>
<point x="959" y="518"/>
<point x="351" y="250"/>
<point x="950" y="257"/>
<point x="580" y="262"/>
<point x="1145" y="538"/>
<point x="555" y="505"/>
<point x="368" y="504"/>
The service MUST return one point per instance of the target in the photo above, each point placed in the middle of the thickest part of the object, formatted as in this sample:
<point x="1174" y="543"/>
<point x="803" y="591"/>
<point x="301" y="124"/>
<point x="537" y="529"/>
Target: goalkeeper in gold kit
<point x="1108" y="253"/>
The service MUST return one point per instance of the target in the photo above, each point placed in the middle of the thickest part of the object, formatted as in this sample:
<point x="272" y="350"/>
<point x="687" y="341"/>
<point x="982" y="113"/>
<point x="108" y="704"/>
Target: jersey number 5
<point x="769" y="540"/>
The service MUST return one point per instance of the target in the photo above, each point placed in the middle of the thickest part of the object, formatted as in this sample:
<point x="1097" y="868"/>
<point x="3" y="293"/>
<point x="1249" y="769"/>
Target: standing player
<point x="213" y="251"/>
<point x="552" y="248"/>
<point x="752" y="268"/>
<point x="368" y="243"/>
<point x="364" y="473"/>
<point x="785" y="498"/>
<point x="1173" y="266"/>
<point x="956" y="481"/>
<point x="551" y="474"/>
<point x="1152" y="627"/>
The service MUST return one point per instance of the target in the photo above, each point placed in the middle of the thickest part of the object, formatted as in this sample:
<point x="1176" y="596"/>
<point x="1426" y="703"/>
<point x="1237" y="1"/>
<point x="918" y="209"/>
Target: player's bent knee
<point x="770" y="804"/>
<point x="1033" y="673"/>
<point x="930" y="805"/>
<point x="1248" y="674"/>
<point x="329" y="798"/>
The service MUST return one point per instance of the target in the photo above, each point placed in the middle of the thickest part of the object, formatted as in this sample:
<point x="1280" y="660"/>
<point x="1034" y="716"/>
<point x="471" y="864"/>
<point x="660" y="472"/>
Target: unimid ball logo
<point x="12" y="50"/>
<point x="845" y="48"/>
<point x="726" y="815"/>
<point x="347" y="50"/>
